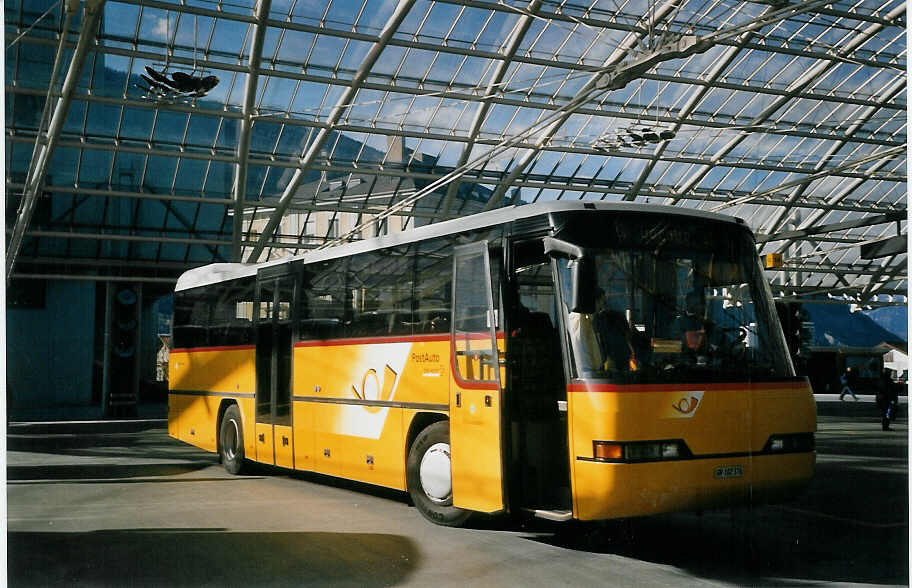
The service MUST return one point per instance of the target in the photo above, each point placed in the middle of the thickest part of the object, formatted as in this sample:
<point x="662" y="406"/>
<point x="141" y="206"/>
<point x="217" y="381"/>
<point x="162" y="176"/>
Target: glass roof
<point x="335" y="120"/>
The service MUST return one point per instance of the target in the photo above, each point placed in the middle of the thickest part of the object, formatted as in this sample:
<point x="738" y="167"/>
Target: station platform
<point x="118" y="502"/>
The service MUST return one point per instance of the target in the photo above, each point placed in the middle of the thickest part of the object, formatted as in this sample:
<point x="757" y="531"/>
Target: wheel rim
<point x="434" y="473"/>
<point x="232" y="437"/>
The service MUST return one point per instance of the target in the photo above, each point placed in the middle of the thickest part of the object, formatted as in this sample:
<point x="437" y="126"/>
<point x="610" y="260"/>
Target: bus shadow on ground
<point x="98" y="472"/>
<point x="770" y="545"/>
<point x="210" y="557"/>
<point x="151" y="444"/>
<point x="332" y="482"/>
<point x="750" y="550"/>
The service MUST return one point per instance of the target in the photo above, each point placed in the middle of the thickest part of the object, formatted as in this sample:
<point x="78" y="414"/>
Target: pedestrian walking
<point x="887" y="400"/>
<point x="846" y="381"/>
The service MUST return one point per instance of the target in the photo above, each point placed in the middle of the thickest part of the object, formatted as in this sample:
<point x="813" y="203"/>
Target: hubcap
<point x="231" y="440"/>
<point x="434" y="473"/>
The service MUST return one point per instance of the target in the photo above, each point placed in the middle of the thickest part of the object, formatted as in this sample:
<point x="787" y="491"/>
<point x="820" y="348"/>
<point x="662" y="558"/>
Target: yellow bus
<point x="570" y="360"/>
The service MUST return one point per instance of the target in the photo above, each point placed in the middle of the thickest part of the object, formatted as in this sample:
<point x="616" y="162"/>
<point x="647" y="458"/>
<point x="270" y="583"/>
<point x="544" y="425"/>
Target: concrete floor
<point x="124" y="505"/>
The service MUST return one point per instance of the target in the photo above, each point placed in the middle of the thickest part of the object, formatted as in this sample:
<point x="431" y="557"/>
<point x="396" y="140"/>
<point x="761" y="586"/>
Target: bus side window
<point x="191" y="318"/>
<point x="380" y="284"/>
<point x="233" y="322"/>
<point x="432" y="287"/>
<point x="321" y="305"/>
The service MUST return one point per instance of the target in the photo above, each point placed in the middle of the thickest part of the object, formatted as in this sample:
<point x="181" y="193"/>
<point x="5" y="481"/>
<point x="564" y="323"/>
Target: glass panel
<point x="62" y="171"/>
<point x="160" y="174"/>
<point x="220" y="179"/>
<point x="433" y="287"/>
<point x="674" y="300"/>
<point x="128" y="171"/>
<point x="322" y="308"/>
<point x="102" y="119"/>
<point x="202" y="130"/>
<point x="264" y="346"/>
<point x="283" y="332"/>
<point x="381" y="288"/>
<point x="169" y="127"/>
<point x="190" y="175"/>
<point x="137" y="123"/>
<point x="228" y="134"/>
<point x="263" y="137"/>
<point x="476" y="358"/>
<point x="95" y="168"/>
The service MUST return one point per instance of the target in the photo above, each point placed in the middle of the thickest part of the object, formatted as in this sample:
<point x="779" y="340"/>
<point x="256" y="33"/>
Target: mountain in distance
<point x="893" y="318"/>
<point x="835" y="325"/>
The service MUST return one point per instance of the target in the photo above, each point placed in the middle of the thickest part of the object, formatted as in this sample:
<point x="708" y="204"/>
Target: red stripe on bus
<point x="474" y="384"/>
<point x="216" y="348"/>
<point x="582" y="386"/>
<point x="373" y="340"/>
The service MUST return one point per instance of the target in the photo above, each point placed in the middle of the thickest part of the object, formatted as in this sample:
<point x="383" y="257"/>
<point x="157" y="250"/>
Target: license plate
<point x="724" y="472"/>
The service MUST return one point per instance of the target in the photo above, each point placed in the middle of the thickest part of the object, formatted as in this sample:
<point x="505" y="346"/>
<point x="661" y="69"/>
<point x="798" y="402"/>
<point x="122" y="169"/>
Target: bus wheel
<point x="231" y="441"/>
<point x="428" y="474"/>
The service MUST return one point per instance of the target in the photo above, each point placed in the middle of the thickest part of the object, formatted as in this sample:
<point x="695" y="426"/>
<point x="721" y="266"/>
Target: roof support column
<point x="243" y="150"/>
<point x="345" y="99"/>
<point x="38" y="169"/>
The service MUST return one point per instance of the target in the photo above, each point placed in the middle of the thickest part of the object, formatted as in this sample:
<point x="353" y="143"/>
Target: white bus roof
<point x="219" y="272"/>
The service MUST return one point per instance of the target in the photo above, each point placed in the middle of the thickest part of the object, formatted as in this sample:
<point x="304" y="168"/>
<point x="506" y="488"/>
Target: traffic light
<point x="122" y="369"/>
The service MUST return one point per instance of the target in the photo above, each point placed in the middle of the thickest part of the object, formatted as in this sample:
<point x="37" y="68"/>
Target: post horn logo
<point x="371" y="389"/>
<point x="686" y="405"/>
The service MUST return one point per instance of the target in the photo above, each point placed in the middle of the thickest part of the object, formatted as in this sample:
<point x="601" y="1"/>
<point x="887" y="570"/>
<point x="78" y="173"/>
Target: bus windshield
<point x="674" y="300"/>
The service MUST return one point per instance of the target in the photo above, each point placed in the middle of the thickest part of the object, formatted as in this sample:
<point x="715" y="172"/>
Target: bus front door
<point x="476" y="399"/>
<point x="275" y="298"/>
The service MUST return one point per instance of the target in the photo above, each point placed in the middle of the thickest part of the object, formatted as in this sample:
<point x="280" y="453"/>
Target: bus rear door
<point x="274" y="326"/>
<point x="476" y="398"/>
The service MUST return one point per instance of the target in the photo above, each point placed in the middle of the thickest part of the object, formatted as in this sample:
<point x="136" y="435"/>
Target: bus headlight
<point x="639" y="451"/>
<point x="791" y="443"/>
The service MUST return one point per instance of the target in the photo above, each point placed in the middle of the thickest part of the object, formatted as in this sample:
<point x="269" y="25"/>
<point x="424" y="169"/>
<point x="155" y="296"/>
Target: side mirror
<point x="583" y="284"/>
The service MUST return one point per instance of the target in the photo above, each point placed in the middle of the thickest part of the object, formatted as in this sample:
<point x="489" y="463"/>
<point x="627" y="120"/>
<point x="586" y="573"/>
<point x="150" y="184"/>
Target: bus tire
<point x="231" y="441"/>
<point x="428" y="477"/>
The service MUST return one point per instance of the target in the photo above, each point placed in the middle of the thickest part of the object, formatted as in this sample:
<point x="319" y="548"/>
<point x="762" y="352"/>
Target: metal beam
<point x="243" y="149"/>
<point x="125" y="194"/>
<point x="92" y="278"/>
<point x="342" y="104"/>
<point x="825" y="172"/>
<point x="804" y="80"/>
<point x="835" y="269"/>
<point x="714" y="73"/>
<point x="91" y="16"/>
<point x="836" y="199"/>
<point x="516" y="37"/>
<point x="867" y="221"/>
<point x="149" y="239"/>
<point x="295" y="163"/>
<point x="824" y="133"/>
<point x="535" y="181"/>
<point x="280" y="70"/>
<point x="886" y="273"/>
<point x="108" y="262"/>
<point x="616" y="58"/>
<point x="615" y="21"/>
<point x="884" y="247"/>
<point x="780" y="215"/>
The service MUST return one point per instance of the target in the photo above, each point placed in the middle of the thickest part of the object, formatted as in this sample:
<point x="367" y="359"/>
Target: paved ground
<point x="127" y="506"/>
